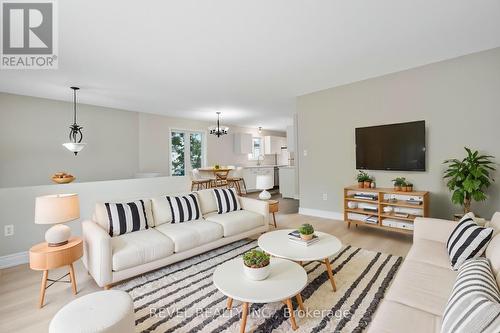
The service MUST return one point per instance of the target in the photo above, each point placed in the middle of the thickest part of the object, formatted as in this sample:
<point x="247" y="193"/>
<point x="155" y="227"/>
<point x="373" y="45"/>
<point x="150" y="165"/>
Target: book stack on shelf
<point x="294" y="237"/>
<point x="384" y="208"/>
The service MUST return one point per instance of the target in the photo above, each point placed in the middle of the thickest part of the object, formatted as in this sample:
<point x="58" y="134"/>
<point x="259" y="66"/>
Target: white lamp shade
<point x="74" y="147"/>
<point x="264" y="182"/>
<point x="58" y="208"/>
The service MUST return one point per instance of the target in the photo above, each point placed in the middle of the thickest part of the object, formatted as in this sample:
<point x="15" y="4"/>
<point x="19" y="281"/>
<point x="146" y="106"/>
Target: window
<point x="186" y="146"/>
<point x="257" y="150"/>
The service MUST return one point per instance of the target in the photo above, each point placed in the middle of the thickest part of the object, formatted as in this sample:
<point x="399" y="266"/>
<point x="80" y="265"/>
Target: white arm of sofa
<point x="433" y="229"/>
<point x="257" y="206"/>
<point x="97" y="252"/>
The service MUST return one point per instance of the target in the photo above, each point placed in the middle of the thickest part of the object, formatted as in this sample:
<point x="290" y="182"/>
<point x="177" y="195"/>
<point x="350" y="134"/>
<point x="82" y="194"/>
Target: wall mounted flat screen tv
<point x="399" y="147"/>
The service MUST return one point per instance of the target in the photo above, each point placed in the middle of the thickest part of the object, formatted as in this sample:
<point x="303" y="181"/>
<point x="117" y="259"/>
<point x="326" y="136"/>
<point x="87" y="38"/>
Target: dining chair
<point x="198" y="182"/>
<point x="236" y="180"/>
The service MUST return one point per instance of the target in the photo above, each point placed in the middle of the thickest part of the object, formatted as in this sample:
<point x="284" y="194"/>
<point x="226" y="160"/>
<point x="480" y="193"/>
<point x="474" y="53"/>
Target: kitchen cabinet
<point x="273" y="144"/>
<point x="250" y="175"/>
<point x="290" y="139"/>
<point x="288" y="182"/>
<point x="242" y="143"/>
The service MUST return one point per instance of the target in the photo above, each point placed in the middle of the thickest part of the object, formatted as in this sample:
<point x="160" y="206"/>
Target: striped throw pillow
<point x="227" y="200"/>
<point x="468" y="240"/>
<point x="126" y="217"/>
<point x="184" y="208"/>
<point x="474" y="304"/>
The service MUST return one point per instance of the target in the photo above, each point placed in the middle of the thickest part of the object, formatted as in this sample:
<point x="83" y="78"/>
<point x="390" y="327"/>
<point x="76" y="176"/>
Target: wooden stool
<point x="200" y="184"/>
<point x="274" y="208"/>
<point x="44" y="257"/>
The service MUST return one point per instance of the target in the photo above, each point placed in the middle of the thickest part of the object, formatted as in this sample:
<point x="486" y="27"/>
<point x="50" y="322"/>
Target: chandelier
<point x="218" y="130"/>
<point x="75" y="143"/>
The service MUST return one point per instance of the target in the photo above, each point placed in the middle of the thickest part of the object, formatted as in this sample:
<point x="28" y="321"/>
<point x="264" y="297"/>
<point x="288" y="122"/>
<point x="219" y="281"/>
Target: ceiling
<point x="248" y="59"/>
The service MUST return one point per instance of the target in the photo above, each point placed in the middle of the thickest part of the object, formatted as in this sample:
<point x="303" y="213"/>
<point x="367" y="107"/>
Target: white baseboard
<point x="326" y="214"/>
<point x="14" y="259"/>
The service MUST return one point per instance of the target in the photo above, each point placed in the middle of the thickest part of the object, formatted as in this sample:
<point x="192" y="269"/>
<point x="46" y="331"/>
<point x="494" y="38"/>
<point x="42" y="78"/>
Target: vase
<point x="257" y="274"/>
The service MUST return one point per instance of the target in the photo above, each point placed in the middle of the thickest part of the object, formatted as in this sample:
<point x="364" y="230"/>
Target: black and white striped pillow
<point x="474" y="304"/>
<point x="184" y="208"/>
<point x="227" y="200"/>
<point x="468" y="240"/>
<point x="126" y="217"/>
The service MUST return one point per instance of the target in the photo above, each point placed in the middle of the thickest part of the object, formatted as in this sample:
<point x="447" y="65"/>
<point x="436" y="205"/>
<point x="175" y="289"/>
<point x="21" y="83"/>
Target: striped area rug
<point x="182" y="297"/>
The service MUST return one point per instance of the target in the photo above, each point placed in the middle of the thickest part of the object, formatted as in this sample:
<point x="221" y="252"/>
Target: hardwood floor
<point x="19" y="286"/>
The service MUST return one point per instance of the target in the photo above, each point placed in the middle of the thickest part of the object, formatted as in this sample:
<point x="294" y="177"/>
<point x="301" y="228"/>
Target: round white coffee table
<point x="287" y="279"/>
<point x="277" y="244"/>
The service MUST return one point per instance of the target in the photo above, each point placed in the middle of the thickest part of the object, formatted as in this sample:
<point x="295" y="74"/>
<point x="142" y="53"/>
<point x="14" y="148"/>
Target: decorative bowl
<point x="257" y="274"/>
<point x="63" y="180"/>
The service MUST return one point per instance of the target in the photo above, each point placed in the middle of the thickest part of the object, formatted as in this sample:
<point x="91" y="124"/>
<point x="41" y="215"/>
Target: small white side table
<point x="287" y="279"/>
<point x="277" y="244"/>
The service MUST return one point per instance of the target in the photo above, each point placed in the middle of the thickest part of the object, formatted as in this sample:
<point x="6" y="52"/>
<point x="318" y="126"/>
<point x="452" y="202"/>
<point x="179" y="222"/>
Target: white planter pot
<point x="257" y="274"/>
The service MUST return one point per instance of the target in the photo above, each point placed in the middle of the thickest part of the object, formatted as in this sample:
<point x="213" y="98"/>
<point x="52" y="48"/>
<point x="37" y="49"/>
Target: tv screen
<point x="398" y="147"/>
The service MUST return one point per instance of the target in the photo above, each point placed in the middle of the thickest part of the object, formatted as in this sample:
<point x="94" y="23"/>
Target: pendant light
<point x="218" y="130"/>
<point x="75" y="143"/>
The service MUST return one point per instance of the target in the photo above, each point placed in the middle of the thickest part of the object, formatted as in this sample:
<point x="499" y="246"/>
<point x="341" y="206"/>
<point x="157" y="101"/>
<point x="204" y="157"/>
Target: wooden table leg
<point x="72" y="278"/>
<point x="330" y="273"/>
<point x="45" y="276"/>
<point x="274" y="220"/>
<point x="244" y="317"/>
<point x="229" y="303"/>
<point x="299" y="300"/>
<point x="292" y="317"/>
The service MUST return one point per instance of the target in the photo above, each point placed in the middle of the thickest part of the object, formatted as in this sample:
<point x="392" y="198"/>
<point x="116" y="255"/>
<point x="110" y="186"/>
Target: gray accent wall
<point x="459" y="99"/>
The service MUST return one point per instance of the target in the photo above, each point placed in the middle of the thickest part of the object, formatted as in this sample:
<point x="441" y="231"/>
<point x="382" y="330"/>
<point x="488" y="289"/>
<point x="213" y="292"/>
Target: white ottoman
<point x="110" y="311"/>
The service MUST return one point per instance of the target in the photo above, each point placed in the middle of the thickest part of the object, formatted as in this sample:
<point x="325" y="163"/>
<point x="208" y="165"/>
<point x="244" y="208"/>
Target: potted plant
<point x="469" y="178"/>
<point x="409" y="187"/>
<point x="363" y="179"/>
<point x="306" y="231"/>
<point x="399" y="182"/>
<point x="216" y="167"/>
<point x="256" y="265"/>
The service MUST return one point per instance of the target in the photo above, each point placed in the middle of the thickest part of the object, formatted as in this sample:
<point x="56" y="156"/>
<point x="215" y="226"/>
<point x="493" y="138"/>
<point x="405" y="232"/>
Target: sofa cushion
<point x="468" y="240"/>
<point x="191" y="234"/>
<point x="140" y="247"/>
<point x="161" y="210"/>
<point x="495" y="223"/>
<point x="493" y="254"/>
<point x="101" y="213"/>
<point x="207" y="202"/>
<point x="474" y="305"/>
<point x="184" y="207"/>
<point x="237" y="222"/>
<point x="430" y="252"/>
<point x="226" y="199"/>
<point x="423" y="286"/>
<point x="393" y="317"/>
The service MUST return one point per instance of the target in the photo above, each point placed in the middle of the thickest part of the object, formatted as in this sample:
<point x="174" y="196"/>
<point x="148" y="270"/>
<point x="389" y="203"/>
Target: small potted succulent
<point x="257" y="265"/>
<point x="216" y="167"/>
<point x="364" y="180"/>
<point x="399" y="183"/>
<point x="409" y="187"/>
<point x="306" y="231"/>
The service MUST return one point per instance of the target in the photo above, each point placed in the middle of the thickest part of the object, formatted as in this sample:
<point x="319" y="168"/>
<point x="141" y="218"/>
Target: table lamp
<point x="264" y="182"/>
<point x="57" y="209"/>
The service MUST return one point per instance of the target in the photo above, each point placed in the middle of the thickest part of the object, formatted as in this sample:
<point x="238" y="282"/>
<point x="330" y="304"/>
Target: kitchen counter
<point x="262" y="166"/>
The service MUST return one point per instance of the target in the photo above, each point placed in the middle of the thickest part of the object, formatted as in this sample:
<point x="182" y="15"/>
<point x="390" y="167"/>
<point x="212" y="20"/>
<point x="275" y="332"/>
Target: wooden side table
<point x="44" y="257"/>
<point x="274" y="208"/>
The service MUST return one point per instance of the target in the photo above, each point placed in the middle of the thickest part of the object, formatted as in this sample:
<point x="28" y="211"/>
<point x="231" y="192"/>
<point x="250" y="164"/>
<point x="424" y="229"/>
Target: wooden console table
<point x="403" y="224"/>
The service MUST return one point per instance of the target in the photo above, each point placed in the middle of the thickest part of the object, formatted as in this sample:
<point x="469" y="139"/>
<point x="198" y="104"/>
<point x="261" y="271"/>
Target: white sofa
<point x="113" y="259"/>
<point x="416" y="300"/>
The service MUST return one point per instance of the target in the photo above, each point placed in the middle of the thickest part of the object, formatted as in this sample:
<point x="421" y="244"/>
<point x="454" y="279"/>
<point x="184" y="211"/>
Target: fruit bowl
<point x="63" y="178"/>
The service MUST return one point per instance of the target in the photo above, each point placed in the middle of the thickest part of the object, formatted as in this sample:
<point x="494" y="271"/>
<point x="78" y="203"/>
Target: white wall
<point x="459" y="99"/>
<point x="32" y="131"/>
<point x="18" y="204"/>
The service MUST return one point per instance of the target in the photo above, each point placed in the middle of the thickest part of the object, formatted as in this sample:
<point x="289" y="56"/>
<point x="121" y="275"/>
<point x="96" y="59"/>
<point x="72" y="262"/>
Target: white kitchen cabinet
<point x="288" y="182"/>
<point x="290" y="139"/>
<point x="250" y="175"/>
<point x="273" y="144"/>
<point x="242" y="143"/>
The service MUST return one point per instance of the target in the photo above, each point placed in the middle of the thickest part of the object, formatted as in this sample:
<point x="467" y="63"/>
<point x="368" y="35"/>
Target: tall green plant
<point x="469" y="178"/>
